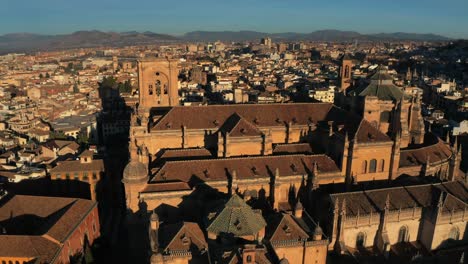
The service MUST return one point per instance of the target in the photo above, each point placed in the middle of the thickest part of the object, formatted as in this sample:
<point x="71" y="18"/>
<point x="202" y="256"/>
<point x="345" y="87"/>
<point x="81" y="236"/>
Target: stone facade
<point x="428" y="214"/>
<point x="367" y="144"/>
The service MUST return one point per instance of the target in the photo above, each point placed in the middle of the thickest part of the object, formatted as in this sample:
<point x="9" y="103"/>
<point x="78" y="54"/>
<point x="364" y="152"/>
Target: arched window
<point x="360" y="240"/>
<point x="373" y="166"/>
<point x="382" y="165"/>
<point x="158" y="87"/>
<point x="364" y="166"/>
<point x="165" y="88"/>
<point x="249" y="259"/>
<point x="403" y="234"/>
<point x="150" y="89"/>
<point x="454" y="233"/>
<point x="346" y="72"/>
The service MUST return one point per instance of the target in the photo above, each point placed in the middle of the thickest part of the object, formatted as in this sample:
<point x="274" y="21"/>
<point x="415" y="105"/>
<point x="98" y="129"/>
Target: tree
<point x="75" y="88"/>
<point x="47" y="75"/>
<point x="82" y="139"/>
<point x="108" y="82"/>
<point x="57" y="135"/>
<point x="41" y="76"/>
<point x="125" y="87"/>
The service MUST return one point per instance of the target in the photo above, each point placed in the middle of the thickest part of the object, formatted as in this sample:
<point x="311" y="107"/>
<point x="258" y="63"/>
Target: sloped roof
<point x="292" y="148"/>
<point x="245" y="167"/>
<point x="76" y="165"/>
<point x="35" y="247"/>
<point x="367" y="133"/>
<point x="381" y="85"/>
<point x="237" y="218"/>
<point x="284" y="228"/>
<point x="214" y="116"/>
<point x="237" y="126"/>
<point x="437" y="152"/>
<point x="35" y="223"/>
<point x="364" y="202"/>
<point x="181" y="237"/>
<point x="226" y="117"/>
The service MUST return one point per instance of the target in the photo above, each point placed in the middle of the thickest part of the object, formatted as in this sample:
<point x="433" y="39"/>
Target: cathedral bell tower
<point x="345" y="72"/>
<point x="157" y="79"/>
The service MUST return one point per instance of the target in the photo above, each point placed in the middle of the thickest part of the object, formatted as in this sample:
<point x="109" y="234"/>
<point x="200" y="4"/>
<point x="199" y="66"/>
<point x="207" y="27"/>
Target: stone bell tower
<point x="157" y="79"/>
<point x="345" y="72"/>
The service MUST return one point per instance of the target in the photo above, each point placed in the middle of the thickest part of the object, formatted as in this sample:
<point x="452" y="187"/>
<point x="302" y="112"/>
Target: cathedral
<point x="254" y="172"/>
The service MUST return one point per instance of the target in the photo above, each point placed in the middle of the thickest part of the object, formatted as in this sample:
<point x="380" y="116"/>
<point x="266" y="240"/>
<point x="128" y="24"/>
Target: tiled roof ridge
<point x="183" y="227"/>
<point x="190" y="230"/>
<point x="81" y="218"/>
<point x="425" y="147"/>
<point x="165" y="115"/>
<point x="184" y="149"/>
<point x="298" y="155"/>
<point x="446" y="190"/>
<point x="166" y="182"/>
<point x="250" y="105"/>
<point x="48" y="237"/>
<point x="295" y="143"/>
<point x="241" y="118"/>
<point x="383" y="189"/>
<point x="294" y="222"/>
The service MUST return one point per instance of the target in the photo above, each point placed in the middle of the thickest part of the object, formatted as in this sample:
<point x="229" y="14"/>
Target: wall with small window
<point x="403" y="231"/>
<point x="449" y="232"/>
<point x="372" y="162"/>
<point x="360" y="237"/>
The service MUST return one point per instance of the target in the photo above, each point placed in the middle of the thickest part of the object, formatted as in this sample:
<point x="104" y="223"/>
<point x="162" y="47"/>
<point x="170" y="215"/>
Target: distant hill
<point x="21" y="42"/>
<point x="320" y="35"/>
<point x="18" y="42"/>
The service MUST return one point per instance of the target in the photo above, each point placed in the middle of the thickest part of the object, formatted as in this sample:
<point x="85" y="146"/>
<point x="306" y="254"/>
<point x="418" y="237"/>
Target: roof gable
<point x="237" y="126"/>
<point x="287" y="229"/>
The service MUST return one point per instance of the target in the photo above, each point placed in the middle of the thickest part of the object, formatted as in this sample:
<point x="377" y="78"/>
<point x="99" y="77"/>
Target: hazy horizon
<point x="53" y="17"/>
<point x="226" y="30"/>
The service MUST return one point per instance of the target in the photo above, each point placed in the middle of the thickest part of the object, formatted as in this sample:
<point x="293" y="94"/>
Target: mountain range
<point x="24" y="42"/>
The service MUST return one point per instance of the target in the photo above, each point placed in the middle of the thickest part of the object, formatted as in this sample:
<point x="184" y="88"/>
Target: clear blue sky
<point x="446" y="17"/>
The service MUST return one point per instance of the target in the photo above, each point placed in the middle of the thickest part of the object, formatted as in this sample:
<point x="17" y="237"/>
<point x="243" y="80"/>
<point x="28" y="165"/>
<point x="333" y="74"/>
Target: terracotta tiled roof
<point x="237" y="126"/>
<point x="284" y="228"/>
<point x="455" y="198"/>
<point x="190" y="152"/>
<point x="292" y="148"/>
<point x="28" y="247"/>
<point x="55" y="216"/>
<point x="76" y="165"/>
<point x="166" y="187"/>
<point x="245" y="167"/>
<point x="182" y="237"/>
<point x="367" y="133"/>
<point x="87" y="153"/>
<point x="33" y="223"/>
<point x="214" y="116"/>
<point x="269" y="115"/>
<point x="437" y="152"/>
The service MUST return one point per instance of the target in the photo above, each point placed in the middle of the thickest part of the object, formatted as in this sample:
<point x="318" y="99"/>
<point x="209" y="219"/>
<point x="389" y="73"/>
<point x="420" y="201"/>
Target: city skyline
<point x="366" y="17"/>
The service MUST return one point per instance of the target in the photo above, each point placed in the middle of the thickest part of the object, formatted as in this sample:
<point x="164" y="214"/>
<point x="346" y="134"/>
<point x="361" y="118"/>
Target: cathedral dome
<point x="135" y="172"/>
